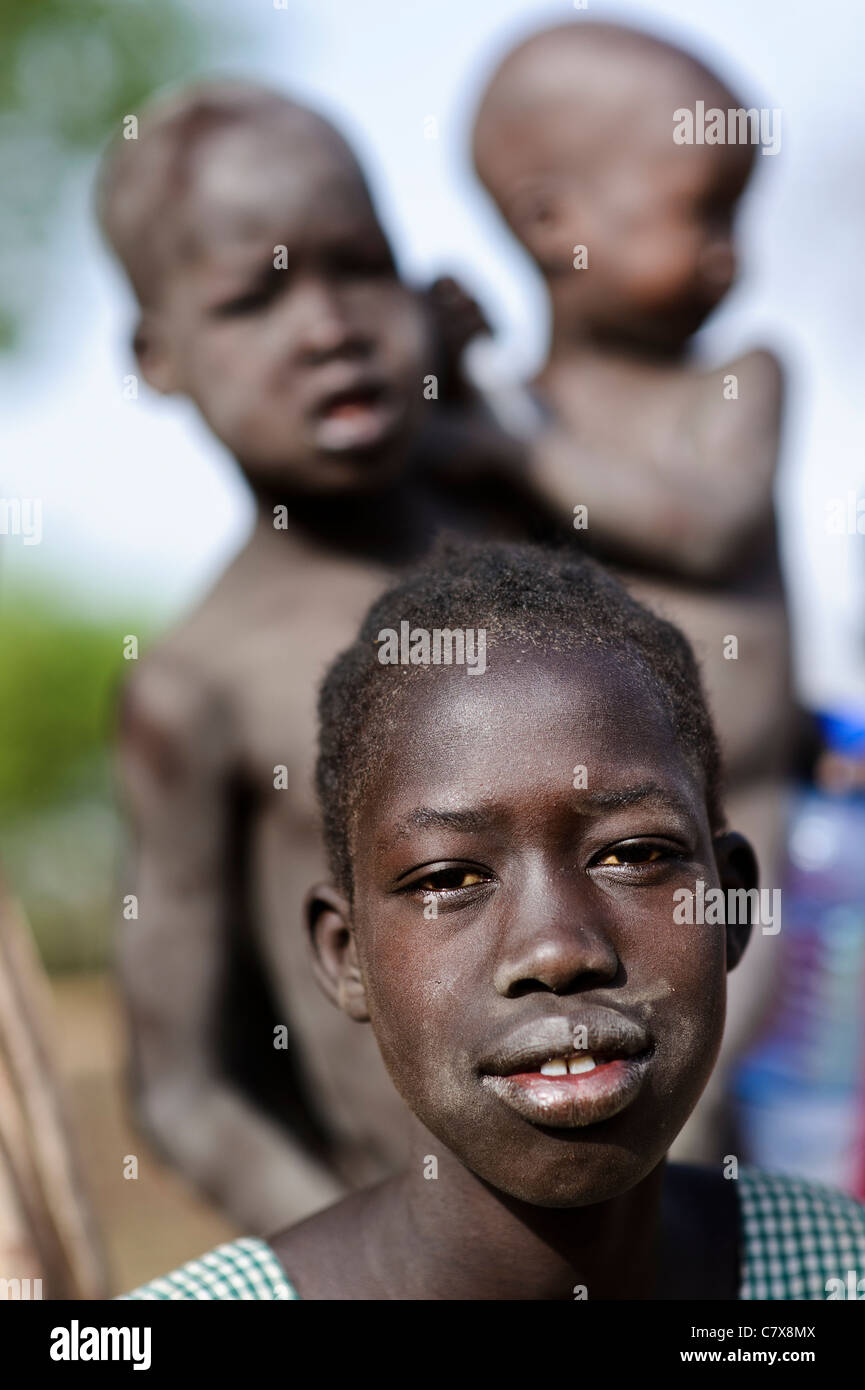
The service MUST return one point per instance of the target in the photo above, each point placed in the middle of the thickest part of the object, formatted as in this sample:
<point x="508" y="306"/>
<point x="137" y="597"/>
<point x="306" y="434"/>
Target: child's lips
<point x="573" y="1101"/>
<point x="354" y="419"/>
<point x="567" y="1073"/>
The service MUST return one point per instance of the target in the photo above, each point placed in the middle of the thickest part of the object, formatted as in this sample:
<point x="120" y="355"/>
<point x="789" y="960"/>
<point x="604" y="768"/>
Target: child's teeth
<point x="562" y="1066"/>
<point x="557" y="1067"/>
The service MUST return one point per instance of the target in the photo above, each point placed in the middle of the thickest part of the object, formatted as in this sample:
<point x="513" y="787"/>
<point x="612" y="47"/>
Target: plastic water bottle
<point x="800" y="1092"/>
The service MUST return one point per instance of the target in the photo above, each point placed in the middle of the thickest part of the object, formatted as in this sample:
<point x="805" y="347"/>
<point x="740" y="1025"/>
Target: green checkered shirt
<point x="795" y="1237"/>
<point x="245" y="1268"/>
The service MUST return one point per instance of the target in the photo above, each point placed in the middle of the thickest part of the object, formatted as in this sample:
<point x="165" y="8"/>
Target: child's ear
<point x="536" y="214"/>
<point x="152" y="353"/>
<point x="737" y="868"/>
<point x="334" y="952"/>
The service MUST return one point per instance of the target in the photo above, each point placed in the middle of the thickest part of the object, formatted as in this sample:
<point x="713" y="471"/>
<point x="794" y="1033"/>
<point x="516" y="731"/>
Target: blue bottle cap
<point x="843" y="730"/>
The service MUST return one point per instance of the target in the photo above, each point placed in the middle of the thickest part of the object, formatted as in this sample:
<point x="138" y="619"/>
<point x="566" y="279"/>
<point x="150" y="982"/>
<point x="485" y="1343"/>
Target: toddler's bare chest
<point x="656" y="416"/>
<point x="273" y="676"/>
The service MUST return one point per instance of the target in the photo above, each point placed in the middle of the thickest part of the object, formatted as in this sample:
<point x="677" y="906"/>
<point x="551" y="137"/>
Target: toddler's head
<point x="574" y="142"/>
<point x="267" y="287"/>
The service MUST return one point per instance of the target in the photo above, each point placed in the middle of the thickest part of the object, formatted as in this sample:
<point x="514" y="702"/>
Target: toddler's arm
<point x="175" y="755"/>
<point x="695" y="504"/>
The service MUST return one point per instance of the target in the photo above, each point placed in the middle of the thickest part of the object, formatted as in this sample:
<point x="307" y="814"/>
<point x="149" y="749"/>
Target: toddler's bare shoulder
<point x="737" y="417"/>
<point x="755" y="378"/>
<point x="200" y="661"/>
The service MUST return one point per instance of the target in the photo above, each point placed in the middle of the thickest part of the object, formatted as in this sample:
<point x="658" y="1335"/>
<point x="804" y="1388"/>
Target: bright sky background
<point x="142" y="507"/>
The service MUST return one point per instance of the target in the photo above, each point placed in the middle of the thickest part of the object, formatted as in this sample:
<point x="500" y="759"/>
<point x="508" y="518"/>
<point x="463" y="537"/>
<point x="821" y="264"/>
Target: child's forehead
<point x="245" y="192"/>
<point x="576" y="137"/>
<point x="609" y="95"/>
<point x="510" y="741"/>
<point x="534" y="692"/>
<point x="251" y="165"/>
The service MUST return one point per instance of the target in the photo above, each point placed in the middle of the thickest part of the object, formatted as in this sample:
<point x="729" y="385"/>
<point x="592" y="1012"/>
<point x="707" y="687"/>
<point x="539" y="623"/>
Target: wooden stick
<point x="41" y="1164"/>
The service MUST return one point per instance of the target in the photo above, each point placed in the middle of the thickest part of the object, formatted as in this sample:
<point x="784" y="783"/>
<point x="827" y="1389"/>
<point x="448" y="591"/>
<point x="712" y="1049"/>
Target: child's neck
<point x="675" y="1235"/>
<point x="453" y="1238"/>
<point x="573" y="342"/>
<point x="389" y="525"/>
<point x="456" y="1238"/>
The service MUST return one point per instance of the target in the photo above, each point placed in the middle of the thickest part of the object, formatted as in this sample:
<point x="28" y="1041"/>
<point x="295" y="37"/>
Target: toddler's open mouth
<point x="361" y="416"/>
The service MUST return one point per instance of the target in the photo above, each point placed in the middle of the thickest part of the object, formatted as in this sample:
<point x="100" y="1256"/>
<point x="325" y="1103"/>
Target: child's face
<point x="282" y="315"/>
<point x="553" y="912"/>
<point x="656" y="220"/>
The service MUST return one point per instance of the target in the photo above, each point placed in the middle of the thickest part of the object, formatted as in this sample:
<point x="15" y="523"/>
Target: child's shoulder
<point x="743" y="438"/>
<point x="800" y="1239"/>
<point x="327" y="1252"/>
<point x="757" y="373"/>
<point x="244" y="1269"/>
<point x="325" y="1249"/>
<point x="197" y="656"/>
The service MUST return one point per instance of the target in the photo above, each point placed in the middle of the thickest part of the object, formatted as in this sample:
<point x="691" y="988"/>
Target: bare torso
<point x="663" y="457"/>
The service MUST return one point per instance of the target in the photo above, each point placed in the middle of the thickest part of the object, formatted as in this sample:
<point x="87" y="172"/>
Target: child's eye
<point x="245" y="303"/>
<point x="362" y="268"/>
<point x="449" y="880"/>
<point x="636" y="853"/>
<point x="362" y="260"/>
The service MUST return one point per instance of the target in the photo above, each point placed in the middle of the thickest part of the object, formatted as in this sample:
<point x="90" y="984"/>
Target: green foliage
<point x="73" y="68"/>
<point x="60" y="834"/>
<point x="69" y="71"/>
<point x="58" y="673"/>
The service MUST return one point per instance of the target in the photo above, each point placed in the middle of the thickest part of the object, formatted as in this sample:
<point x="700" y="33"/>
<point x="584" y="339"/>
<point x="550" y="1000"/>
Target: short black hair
<point x="553" y="599"/>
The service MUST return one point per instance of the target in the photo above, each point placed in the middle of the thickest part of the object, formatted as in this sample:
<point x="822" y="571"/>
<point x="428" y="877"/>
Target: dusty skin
<point x="554" y="910"/>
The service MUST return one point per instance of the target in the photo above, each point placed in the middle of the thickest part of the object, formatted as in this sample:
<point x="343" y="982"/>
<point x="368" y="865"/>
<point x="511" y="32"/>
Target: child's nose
<point x="718" y="264"/>
<point x="327" y="328"/>
<point x="551" y="944"/>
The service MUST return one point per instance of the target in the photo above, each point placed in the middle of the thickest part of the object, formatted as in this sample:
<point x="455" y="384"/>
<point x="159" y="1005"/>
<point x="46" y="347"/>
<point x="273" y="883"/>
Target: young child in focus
<point x="269" y="296"/>
<point x="509" y="932"/>
<point x="673" y="461"/>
